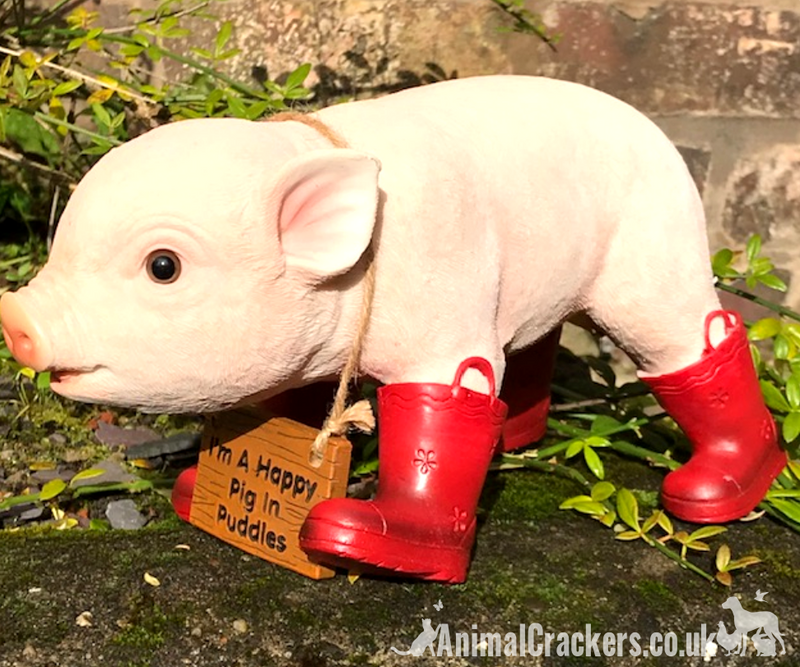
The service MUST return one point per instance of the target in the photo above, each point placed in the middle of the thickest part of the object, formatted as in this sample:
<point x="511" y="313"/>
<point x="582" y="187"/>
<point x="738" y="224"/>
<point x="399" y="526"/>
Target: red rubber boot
<point x="436" y="444"/>
<point x="526" y="391"/>
<point x="718" y="404"/>
<point x="182" y="492"/>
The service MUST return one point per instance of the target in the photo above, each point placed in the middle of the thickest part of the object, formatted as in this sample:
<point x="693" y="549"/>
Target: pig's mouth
<point x="63" y="376"/>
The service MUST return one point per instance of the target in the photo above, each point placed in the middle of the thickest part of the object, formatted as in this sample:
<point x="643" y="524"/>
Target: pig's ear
<point x="326" y="203"/>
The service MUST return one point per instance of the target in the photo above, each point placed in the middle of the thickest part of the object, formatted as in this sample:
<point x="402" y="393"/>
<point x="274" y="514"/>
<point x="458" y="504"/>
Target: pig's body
<point x="506" y="204"/>
<point x="536" y="199"/>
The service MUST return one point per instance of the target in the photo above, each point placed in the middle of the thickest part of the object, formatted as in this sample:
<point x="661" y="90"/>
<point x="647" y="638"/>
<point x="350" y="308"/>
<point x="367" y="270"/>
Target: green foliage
<point x="525" y="21"/>
<point x="621" y="424"/>
<point x="59" y="114"/>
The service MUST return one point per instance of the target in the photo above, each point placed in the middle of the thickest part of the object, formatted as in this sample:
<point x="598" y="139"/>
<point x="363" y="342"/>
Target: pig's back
<point x="538" y="172"/>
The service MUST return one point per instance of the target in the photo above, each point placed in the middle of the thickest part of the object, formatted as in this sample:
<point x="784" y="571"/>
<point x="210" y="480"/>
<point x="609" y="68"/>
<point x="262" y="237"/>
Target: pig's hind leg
<point x="656" y="299"/>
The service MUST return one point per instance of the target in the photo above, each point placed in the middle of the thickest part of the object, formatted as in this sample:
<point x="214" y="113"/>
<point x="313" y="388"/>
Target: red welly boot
<point x="436" y="444"/>
<point x="183" y="491"/>
<point x="526" y="391"/>
<point x="718" y="404"/>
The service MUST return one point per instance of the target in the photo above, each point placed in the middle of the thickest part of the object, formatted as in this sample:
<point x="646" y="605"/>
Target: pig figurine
<point x="211" y="263"/>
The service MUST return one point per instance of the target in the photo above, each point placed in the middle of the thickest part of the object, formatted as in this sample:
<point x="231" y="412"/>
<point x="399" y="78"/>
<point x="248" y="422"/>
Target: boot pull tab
<point x="731" y="318"/>
<point x="482" y="366"/>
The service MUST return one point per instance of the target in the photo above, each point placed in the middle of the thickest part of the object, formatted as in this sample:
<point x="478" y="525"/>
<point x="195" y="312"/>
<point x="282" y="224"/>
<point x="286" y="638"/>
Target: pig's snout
<point x="24" y="338"/>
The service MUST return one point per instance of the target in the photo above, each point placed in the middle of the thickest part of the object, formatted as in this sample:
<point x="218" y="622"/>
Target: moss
<point x="658" y="597"/>
<point x="526" y="496"/>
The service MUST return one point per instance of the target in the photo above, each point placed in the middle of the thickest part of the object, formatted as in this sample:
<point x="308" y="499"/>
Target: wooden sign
<point x="256" y="484"/>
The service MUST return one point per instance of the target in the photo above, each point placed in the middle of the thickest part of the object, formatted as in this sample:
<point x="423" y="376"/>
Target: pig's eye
<point x="163" y="266"/>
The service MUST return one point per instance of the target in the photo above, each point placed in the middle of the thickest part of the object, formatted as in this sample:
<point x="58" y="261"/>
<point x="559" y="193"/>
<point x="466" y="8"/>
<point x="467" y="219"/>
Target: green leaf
<point x="705" y="532"/>
<point x="31" y="137"/>
<point x="20" y="81"/>
<point x="761" y="266"/>
<point x="628" y="535"/>
<point x="609" y="518"/>
<point x="154" y="52"/>
<point x="628" y="508"/>
<point x="783" y="347"/>
<point x="723" y="557"/>
<point x="53" y="488"/>
<point x="296" y="78"/>
<point x="787" y="507"/>
<point x="237" y="107"/>
<point x="99" y="524"/>
<point x="783" y="493"/>
<point x="602" y="491"/>
<point x="87" y="474"/>
<point x="773" y="396"/>
<point x="366" y="468"/>
<point x="665" y="523"/>
<point x="753" y="247"/>
<point x="203" y="53"/>
<point x="768" y="327"/>
<point x="604" y="425"/>
<point x="791" y="427"/>
<point x="745" y="561"/>
<point x="650" y="521"/>
<point x="66" y="87"/>
<point x="43" y="381"/>
<point x="594" y="462"/>
<point x="131" y="50"/>
<point x="597" y="441"/>
<point x="793" y="391"/>
<point x="126" y="487"/>
<point x="101" y="115"/>
<point x="721" y="261"/>
<point x="223" y="36"/>
<point x="569" y="503"/>
<point x="773" y="282"/>
<point x="574" y="449"/>
<point x="591" y="507"/>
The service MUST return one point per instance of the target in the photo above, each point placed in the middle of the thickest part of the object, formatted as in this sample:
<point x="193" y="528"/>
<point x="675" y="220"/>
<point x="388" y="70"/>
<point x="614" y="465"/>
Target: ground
<point x="533" y="563"/>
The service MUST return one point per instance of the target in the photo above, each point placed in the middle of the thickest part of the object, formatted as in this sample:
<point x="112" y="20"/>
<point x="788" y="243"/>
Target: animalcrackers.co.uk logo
<point x="532" y="639"/>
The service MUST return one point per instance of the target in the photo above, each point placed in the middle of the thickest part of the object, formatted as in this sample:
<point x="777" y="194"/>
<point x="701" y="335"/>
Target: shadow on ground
<point x="217" y="606"/>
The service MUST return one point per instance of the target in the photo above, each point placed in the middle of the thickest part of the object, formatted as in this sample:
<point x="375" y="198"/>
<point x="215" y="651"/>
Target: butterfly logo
<point x="438" y="606"/>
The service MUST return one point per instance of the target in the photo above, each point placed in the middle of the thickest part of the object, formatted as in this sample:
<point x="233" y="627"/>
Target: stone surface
<point x="113" y="473"/>
<point x="533" y="564"/>
<point x="112" y="435"/>
<point x="698" y="160"/>
<point x="123" y="515"/>
<point x="174" y="444"/>
<point x="764" y="194"/>
<point x="680" y="57"/>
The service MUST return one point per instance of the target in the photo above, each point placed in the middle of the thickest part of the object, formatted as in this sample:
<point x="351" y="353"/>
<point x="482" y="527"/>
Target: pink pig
<point x="214" y="262"/>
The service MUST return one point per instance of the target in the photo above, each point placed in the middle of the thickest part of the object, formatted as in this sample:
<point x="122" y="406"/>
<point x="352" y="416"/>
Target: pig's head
<point x="196" y="267"/>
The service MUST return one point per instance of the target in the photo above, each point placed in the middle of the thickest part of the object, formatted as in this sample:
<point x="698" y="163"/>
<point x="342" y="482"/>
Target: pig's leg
<point x="696" y="358"/>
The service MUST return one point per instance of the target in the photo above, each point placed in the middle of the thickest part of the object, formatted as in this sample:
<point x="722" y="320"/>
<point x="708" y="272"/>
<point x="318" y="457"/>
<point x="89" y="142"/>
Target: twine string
<point x="341" y="416"/>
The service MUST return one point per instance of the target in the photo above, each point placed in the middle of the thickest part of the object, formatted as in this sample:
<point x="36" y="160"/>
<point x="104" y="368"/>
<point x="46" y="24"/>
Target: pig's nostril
<point x="22" y="345"/>
<point x="24" y="339"/>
